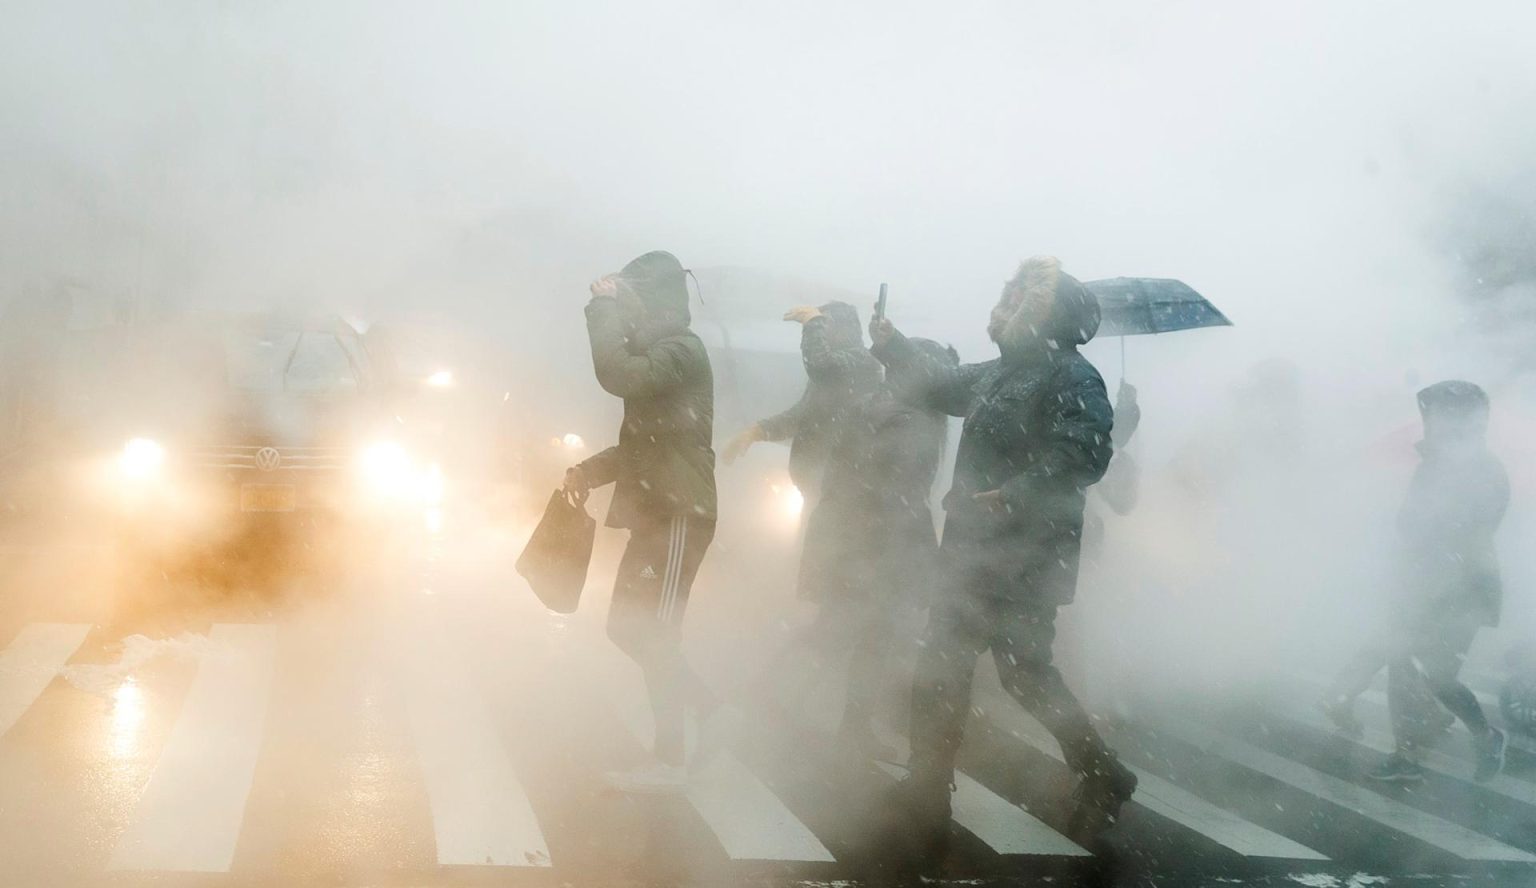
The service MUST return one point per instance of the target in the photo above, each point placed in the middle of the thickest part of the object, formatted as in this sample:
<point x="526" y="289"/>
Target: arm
<point x="1078" y="446"/>
<point x="785" y="425"/>
<point x="600" y="468"/>
<point x="922" y="382"/>
<point x="626" y="375"/>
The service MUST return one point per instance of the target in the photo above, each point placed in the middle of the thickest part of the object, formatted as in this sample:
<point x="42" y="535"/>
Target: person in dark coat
<point x="1036" y="435"/>
<point x="870" y="543"/>
<point x="663" y="469"/>
<point x="1447" y="589"/>
<point x="840" y="372"/>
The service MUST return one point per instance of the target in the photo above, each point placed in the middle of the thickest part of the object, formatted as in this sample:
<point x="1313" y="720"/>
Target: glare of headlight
<point x="385" y="466"/>
<point x="789" y="501"/>
<point x="141" y="458"/>
<point x="573" y="441"/>
<point x="441" y="379"/>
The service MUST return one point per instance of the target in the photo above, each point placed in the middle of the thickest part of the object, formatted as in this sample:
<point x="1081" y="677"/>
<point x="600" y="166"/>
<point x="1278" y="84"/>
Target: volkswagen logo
<point x="267" y="459"/>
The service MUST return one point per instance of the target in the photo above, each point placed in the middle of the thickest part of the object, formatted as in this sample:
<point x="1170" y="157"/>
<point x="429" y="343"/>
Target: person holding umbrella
<point x="1036" y="435"/>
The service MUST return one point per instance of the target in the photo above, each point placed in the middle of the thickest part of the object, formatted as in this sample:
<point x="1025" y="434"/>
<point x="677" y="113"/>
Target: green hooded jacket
<point x="664" y="463"/>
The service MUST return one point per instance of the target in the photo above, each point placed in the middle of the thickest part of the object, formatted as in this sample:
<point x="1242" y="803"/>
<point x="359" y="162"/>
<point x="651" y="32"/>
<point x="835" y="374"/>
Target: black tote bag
<point x="557" y="555"/>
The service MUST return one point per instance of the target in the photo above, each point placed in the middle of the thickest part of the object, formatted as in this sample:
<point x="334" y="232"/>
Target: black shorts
<point x="656" y="574"/>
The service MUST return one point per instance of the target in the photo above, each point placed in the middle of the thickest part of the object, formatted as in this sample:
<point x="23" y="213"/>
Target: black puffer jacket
<point x="840" y="373"/>
<point x="1037" y="428"/>
<point x="1455" y="504"/>
<point x="664" y="463"/>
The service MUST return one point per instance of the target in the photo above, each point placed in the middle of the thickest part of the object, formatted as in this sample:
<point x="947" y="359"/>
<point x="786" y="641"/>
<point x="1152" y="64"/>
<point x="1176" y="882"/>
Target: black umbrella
<point x="1146" y="306"/>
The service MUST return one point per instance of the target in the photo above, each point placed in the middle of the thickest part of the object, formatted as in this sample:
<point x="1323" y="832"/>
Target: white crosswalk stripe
<point x="1176" y="804"/>
<point x="1395" y="815"/>
<point x="189" y="817"/>
<point x="1003" y="826"/>
<point x="747" y="818"/>
<point x="30" y="662"/>
<point x="481" y="816"/>
<point x="1460" y="769"/>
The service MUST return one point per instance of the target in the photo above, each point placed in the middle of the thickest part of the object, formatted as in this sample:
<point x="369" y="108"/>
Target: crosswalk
<point x="189" y="815"/>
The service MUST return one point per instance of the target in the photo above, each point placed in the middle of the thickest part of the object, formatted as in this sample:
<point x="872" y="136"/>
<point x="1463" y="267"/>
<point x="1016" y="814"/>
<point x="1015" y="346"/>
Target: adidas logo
<point x="649" y="573"/>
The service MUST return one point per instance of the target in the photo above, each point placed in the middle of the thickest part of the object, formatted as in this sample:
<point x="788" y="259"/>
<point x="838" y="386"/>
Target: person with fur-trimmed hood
<point x="663" y="472"/>
<point x="1036" y="435"/>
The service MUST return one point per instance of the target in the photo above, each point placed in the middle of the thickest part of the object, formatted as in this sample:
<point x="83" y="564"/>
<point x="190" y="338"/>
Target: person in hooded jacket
<point x="1447" y="589"/>
<point x="1036" y="435"/>
<point x="840" y="372"/>
<point x="870" y="544"/>
<point x="663" y="469"/>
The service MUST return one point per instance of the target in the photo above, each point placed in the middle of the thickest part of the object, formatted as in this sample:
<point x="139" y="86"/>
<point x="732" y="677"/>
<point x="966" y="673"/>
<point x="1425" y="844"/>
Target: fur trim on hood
<point x="1040" y="288"/>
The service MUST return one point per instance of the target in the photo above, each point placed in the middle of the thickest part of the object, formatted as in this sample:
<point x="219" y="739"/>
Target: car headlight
<point x="141" y="458"/>
<point x="388" y="472"/>
<point x="385" y="466"/>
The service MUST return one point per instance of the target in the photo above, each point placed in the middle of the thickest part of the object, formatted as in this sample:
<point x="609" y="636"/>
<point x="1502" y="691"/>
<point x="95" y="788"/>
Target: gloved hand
<point x="742" y="443"/>
<point x="802" y="314"/>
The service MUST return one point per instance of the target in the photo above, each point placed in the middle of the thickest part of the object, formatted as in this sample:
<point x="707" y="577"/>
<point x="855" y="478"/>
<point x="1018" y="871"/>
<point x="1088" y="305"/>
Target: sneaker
<point x="1490" y="756"/>
<point x="1098" y="800"/>
<point x="1341" y="712"/>
<point x="657" y="779"/>
<point x="1398" y="768"/>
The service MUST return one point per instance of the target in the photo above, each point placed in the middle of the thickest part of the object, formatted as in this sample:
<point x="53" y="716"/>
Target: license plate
<point x="268" y="498"/>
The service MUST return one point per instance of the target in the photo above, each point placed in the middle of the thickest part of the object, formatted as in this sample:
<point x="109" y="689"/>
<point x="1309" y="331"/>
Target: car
<point x="255" y="441"/>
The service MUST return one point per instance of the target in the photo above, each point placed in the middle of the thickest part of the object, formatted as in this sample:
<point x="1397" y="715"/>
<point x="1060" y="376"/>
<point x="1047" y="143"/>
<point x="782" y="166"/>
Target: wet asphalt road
<point x="424" y="725"/>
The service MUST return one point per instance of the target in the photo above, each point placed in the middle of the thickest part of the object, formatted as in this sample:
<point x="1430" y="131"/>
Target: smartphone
<point x="880" y="304"/>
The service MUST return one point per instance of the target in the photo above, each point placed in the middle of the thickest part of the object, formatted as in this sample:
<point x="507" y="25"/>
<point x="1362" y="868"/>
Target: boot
<point x="1098" y="799"/>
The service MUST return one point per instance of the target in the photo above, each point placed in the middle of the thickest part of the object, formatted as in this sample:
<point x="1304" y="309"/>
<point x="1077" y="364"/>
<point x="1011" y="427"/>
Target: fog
<point x="1350" y="184"/>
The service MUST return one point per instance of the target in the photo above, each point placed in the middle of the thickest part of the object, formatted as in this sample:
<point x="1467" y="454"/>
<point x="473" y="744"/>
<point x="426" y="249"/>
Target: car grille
<point x="290" y="459"/>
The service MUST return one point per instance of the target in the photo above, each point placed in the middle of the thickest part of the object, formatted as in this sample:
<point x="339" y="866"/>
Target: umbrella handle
<point x="1122" y="360"/>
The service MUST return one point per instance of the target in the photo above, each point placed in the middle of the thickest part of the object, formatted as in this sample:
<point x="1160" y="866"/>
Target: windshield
<point x="303" y="362"/>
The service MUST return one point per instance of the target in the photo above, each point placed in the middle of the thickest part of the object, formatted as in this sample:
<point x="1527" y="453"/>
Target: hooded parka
<point x="1037" y="423"/>
<point x="664" y="464"/>
<point x="840" y="373"/>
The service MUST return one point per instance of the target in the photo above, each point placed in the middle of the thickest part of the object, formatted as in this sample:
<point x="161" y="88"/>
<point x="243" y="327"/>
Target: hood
<point x="843" y="324"/>
<point x="1073" y="314"/>
<point x="1454" y="411"/>
<point x="661" y="283"/>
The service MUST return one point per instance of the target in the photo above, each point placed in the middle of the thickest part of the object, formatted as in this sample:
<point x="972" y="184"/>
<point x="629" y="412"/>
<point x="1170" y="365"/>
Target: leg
<point x="1442" y="668"/>
<point x="1022" y="649"/>
<point x="1357" y="675"/>
<point x="941" y="688"/>
<point x="1440" y="655"/>
<point x="645" y="620"/>
<point x="867" y="672"/>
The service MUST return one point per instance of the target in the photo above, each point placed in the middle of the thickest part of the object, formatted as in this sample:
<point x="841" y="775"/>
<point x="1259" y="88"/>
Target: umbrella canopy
<point x="1140" y="306"/>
